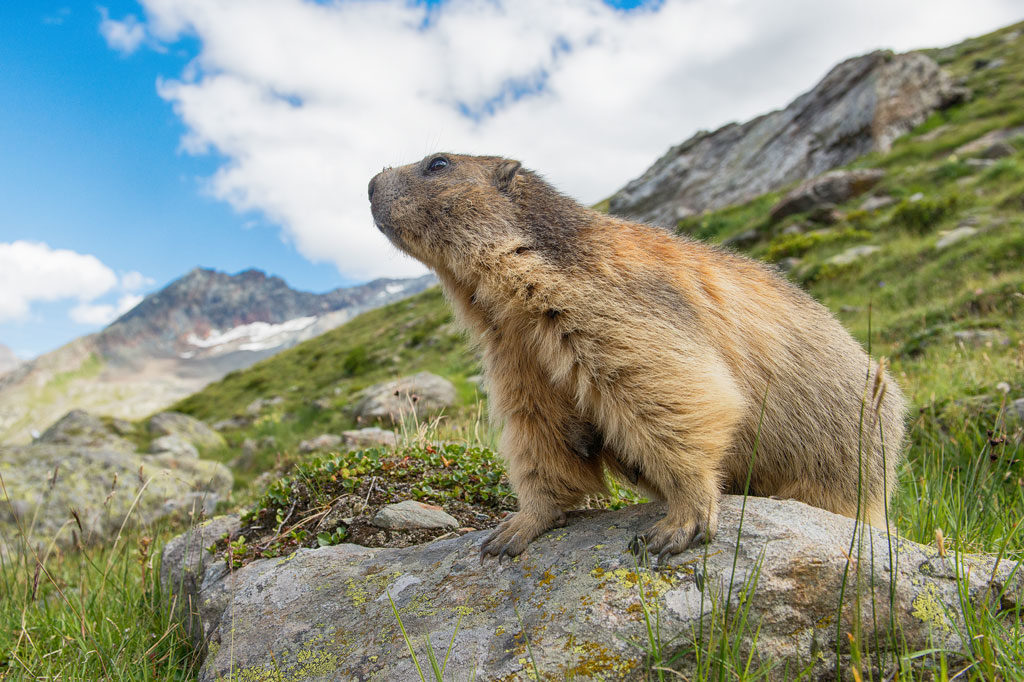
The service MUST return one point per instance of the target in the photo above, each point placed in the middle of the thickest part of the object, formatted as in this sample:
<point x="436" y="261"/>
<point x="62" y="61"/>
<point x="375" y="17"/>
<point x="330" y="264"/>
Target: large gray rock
<point x="862" y="105"/>
<point x="66" y="493"/>
<point x="832" y="188"/>
<point x="422" y="393"/>
<point x="185" y="564"/>
<point x="79" y="428"/>
<point x="324" y="614"/>
<point x="188" y="428"/>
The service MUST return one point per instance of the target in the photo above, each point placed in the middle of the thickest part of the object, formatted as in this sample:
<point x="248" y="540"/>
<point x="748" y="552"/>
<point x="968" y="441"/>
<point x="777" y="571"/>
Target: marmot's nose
<point x="373" y="182"/>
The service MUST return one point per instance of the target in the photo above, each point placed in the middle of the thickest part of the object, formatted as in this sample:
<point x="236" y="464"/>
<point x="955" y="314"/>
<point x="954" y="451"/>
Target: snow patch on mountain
<point x="255" y="336"/>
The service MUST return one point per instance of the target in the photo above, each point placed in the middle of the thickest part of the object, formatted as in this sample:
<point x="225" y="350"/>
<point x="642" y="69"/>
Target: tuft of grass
<point x="92" y="613"/>
<point x="924" y="215"/>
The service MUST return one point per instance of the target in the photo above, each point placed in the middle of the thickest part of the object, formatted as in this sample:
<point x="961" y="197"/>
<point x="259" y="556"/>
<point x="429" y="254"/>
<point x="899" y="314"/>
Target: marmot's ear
<point x="505" y="174"/>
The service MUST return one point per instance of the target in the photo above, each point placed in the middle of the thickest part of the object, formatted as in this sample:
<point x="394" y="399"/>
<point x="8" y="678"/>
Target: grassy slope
<point x="913" y="297"/>
<point x="958" y="476"/>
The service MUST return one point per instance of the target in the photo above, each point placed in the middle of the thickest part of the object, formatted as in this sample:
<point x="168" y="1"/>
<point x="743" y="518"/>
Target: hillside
<point x="177" y="340"/>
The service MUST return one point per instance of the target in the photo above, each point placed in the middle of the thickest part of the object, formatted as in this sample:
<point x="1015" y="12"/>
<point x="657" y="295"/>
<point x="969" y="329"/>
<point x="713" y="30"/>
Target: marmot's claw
<point x="512" y="536"/>
<point x="665" y="539"/>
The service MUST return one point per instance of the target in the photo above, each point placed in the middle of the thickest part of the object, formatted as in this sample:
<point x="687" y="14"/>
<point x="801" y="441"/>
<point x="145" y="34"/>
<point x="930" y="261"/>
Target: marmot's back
<point x="790" y="355"/>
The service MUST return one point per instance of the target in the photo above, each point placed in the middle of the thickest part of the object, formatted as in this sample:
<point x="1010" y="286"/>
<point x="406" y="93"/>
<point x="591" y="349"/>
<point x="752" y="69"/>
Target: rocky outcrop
<point x="826" y="191"/>
<point x="862" y="105"/>
<point x="80" y="428"/>
<point x="78" y="484"/>
<point x="422" y="394"/>
<point x="580" y="598"/>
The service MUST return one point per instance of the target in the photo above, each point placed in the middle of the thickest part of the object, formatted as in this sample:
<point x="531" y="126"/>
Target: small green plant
<point x="924" y="215"/>
<point x="799" y="244"/>
<point x="356" y="362"/>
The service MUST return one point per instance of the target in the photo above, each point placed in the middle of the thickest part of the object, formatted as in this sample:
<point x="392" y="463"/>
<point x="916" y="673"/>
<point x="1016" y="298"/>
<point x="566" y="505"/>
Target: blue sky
<point x="234" y="134"/>
<point x="90" y="161"/>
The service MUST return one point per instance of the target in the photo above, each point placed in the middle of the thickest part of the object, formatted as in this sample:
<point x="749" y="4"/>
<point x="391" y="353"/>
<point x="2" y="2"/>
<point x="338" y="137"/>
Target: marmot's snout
<point x="382" y="191"/>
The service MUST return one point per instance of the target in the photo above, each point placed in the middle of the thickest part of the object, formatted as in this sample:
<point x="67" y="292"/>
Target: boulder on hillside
<point x="174" y="444"/>
<point x="421" y="394"/>
<point x="578" y="594"/>
<point x="862" y="105"/>
<point x="825" y="191"/>
<point x="371" y="436"/>
<point x="325" y="441"/>
<point x="187" y="428"/>
<point x="68" y="494"/>
<point x="992" y="145"/>
<point x="79" y="428"/>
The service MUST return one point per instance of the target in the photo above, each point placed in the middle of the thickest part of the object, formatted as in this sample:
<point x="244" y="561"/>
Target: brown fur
<point x="611" y="344"/>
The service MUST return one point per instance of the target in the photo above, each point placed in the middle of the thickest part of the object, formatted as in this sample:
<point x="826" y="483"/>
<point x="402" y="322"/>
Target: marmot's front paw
<point x="512" y="536"/>
<point x="666" y="538"/>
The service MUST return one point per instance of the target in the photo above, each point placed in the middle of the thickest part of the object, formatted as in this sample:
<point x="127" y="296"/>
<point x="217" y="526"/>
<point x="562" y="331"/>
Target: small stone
<point x="981" y="337"/>
<point x="325" y="441"/>
<point x="256" y="407"/>
<point x="795" y="228"/>
<point x="323" y="403"/>
<point x="853" y="254"/>
<point x="915" y="197"/>
<point x="875" y="203"/>
<point x="953" y="236"/>
<point x="409" y="515"/>
<point x="369" y="437"/>
<point x="232" y="423"/>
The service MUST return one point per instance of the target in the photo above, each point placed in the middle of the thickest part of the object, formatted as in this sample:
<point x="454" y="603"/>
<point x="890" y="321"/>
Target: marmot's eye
<point x="437" y="163"/>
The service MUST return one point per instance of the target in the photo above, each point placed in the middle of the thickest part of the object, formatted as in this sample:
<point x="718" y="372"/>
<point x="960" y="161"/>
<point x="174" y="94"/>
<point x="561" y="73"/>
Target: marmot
<point x="612" y="344"/>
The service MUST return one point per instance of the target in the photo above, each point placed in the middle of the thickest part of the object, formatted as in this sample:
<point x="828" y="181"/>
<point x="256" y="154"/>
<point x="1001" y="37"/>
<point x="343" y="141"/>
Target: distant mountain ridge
<point x="8" y="360"/>
<point x="177" y="340"/>
<point x="176" y="320"/>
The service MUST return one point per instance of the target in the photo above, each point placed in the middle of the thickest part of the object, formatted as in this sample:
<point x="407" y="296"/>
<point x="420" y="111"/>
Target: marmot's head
<point x="453" y="211"/>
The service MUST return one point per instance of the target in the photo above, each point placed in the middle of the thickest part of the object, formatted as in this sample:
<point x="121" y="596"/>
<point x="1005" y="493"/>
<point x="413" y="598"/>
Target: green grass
<point x="92" y="614"/>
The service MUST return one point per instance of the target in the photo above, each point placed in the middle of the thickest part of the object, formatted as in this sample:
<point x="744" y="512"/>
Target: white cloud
<point x="306" y="101"/>
<point x="125" y="35"/>
<point x="135" y="280"/>
<point x="96" y="314"/>
<point x="32" y="271"/>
